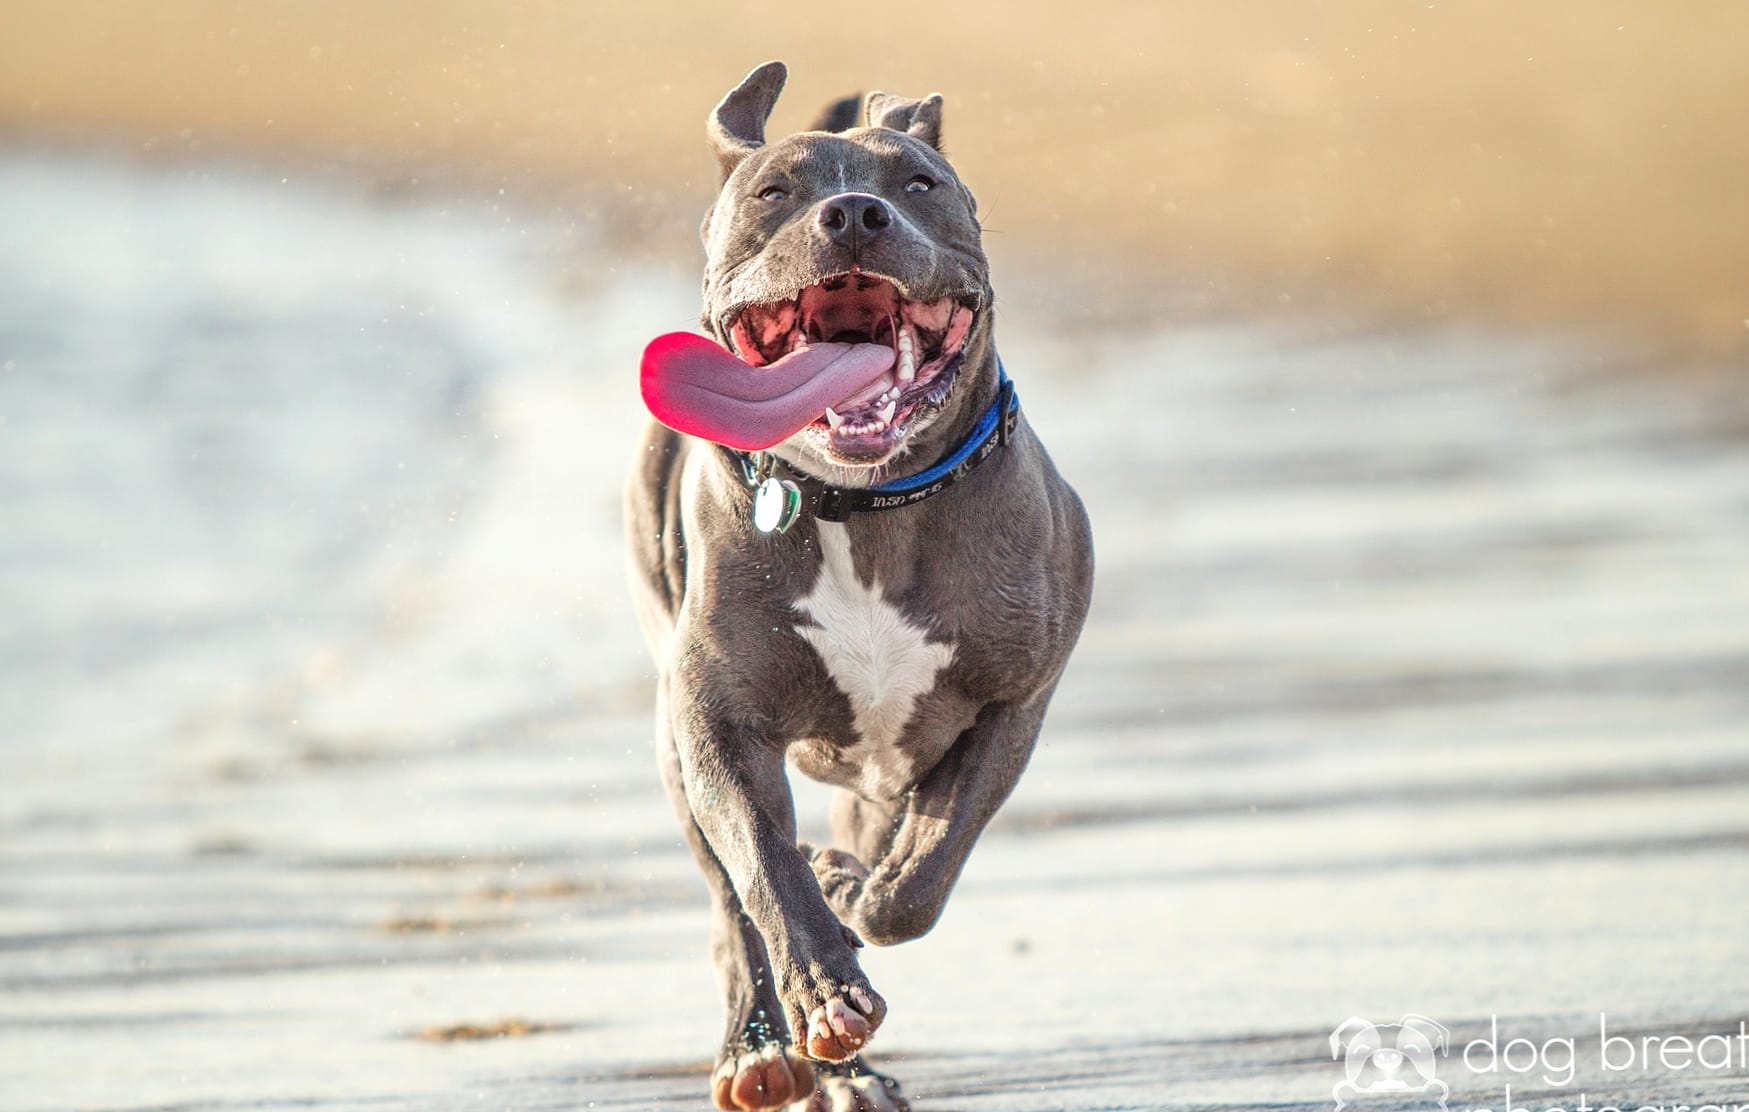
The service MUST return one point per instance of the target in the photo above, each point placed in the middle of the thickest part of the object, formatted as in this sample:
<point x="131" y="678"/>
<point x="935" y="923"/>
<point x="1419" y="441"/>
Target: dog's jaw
<point x="875" y="425"/>
<point x="930" y="435"/>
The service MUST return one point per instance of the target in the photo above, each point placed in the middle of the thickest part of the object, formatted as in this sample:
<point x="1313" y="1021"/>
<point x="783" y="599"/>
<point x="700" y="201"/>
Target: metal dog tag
<point x="776" y="505"/>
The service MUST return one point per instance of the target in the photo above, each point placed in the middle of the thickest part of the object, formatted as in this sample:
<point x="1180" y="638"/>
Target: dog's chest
<point x="877" y="656"/>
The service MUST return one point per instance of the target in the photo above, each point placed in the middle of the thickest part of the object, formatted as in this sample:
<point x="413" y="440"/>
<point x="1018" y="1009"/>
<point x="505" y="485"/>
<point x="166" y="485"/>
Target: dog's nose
<point x="854" y="217"/>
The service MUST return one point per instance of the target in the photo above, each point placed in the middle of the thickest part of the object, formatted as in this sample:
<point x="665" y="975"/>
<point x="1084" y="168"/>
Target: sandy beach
<point x="1417" y="676"/>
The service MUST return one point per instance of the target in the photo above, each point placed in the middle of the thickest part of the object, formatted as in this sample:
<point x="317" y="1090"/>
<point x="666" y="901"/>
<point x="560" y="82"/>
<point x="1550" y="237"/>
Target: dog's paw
<point x="842" y="1024"/>
<point x="832" y="862"/>
<point x="761" y="1079"/>
<point x="841" y="878"/>
<point x="853" y="1087"/>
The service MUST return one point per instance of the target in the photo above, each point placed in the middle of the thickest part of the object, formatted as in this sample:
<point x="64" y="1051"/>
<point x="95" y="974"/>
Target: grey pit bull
<point x="905" y="655"/>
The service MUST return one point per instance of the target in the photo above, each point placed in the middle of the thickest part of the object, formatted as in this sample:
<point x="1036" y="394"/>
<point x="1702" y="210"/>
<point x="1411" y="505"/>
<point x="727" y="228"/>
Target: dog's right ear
<point x="737" y="127"/>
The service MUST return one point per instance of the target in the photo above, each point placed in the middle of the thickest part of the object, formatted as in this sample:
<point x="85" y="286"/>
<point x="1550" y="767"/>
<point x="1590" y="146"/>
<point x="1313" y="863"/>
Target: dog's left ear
<point x="921" y="118"/>
<point x="1432" y="1030"/>
<point x="737" y="127"/>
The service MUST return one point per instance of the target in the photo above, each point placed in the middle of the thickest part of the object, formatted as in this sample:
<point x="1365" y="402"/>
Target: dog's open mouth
<point x="927" y="337"/>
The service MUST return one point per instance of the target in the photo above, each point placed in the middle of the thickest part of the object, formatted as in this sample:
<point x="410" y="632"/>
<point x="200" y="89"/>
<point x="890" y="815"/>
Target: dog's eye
<point x="773" y="193"/>
<point x="919" y="184"/>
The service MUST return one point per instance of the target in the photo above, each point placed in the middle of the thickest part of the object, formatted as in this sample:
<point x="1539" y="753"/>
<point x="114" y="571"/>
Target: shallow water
<point x="1417" y="681"/>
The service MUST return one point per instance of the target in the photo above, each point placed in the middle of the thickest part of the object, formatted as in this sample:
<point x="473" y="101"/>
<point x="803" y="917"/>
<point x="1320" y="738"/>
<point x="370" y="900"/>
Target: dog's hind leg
<point x="891" y="884"/>
<point x="756" y="1068"/>
<point x="862" y="828"/>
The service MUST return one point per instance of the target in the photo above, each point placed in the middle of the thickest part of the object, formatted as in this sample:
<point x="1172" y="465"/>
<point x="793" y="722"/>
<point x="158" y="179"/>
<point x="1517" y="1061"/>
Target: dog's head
<point x="843" y="233"/>
<point x="1389" y="1057"/>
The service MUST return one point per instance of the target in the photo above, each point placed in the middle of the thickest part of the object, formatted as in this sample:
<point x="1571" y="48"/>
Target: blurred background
<point x="1573" y="161"/>
<point x="1398" y="351"/>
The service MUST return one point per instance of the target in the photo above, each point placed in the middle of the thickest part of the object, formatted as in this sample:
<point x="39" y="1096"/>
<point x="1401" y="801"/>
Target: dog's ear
<point x="1434" y="1031"/>
<point x="737" y="126"/>
<point x="1351" y="1027"/>
<point x="840" y="115"/>
<point x="921" y="118"/>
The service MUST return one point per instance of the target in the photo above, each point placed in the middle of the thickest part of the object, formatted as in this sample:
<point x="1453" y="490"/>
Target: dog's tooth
<point x="887" y="412"/>
<point x="907" y="354"/>
<point x="833" y="418"/>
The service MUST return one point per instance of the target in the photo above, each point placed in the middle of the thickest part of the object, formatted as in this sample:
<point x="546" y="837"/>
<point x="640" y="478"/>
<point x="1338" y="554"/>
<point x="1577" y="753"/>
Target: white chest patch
<point x="877" y="657"/>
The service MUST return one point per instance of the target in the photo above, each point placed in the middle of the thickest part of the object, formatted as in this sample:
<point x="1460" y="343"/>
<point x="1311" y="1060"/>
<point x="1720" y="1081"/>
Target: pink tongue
<point x="694" y="386"/>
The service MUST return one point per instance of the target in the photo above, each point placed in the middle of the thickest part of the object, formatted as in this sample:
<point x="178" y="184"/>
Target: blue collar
<point x="828" y="503"/>
<point x="997" y="421"/>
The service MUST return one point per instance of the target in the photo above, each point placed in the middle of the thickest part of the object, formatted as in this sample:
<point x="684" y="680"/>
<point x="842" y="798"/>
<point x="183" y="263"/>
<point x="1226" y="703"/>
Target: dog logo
<point x="1389" y="1059"/>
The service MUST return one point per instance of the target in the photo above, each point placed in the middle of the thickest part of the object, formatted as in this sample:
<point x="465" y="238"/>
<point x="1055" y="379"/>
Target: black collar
<point x="829" y="503"/>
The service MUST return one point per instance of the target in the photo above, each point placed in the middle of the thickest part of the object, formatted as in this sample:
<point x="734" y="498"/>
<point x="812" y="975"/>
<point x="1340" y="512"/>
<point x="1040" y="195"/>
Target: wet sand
<point x="1417" y="681"/>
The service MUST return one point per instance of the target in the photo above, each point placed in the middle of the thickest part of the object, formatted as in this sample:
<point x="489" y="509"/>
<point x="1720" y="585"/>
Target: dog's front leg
<point x="736" y="790"/>
<point x="754" y="1070"/>
<point x="916" y="848"/>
